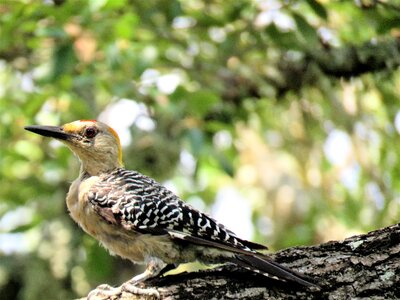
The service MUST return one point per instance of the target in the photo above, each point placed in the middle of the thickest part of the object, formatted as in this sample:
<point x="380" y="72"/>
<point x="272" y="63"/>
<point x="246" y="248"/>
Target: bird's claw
<point x="133" y="289"/>
<point x="106" y="292"/>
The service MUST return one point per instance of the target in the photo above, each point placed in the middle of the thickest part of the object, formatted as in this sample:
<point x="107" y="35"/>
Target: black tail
<point x="263" y="265"/>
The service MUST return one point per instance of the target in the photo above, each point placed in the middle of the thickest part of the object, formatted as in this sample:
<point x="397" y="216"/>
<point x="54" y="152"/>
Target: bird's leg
<point x="154" y="267"/>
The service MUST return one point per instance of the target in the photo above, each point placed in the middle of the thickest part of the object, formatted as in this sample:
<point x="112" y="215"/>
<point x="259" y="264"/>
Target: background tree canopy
<point x="280" y="118"/>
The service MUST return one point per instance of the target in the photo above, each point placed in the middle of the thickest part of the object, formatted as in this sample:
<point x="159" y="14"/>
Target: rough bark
<point x="360" y="267"/>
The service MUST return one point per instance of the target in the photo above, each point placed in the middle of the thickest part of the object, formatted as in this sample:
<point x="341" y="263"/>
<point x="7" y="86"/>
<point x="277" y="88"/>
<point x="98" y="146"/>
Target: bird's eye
<point x="90" y="132"/>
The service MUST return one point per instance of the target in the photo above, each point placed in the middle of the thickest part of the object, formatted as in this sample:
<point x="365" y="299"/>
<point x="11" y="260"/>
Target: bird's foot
<point x="106" y="292"/>
<point x="131" y="287"/>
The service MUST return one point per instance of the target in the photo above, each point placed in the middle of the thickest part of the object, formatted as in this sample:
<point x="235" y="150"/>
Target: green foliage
<point x="231" y="94"/>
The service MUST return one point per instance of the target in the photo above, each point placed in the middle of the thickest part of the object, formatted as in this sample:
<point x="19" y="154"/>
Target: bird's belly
<point x="129" y="244"/>
<point x="139" y="247"/>
<point x="117" y="240"/>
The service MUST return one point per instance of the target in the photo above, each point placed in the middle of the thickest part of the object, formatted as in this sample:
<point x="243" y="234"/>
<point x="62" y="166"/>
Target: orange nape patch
<point x="115" y="134"/>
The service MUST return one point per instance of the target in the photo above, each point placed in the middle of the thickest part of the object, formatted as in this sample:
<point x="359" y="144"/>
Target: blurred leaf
<point x="196" y="140"/>
<point x="125" y="26"/>
<point x="308" y="32"/>
<point x="26" y="227"/>
<point x="318" y="8"/>
<point x="63" y="60"/>
<point x="285" y="40"/>
<point x="115" y="4"/>
<point x="201" y="102"/>
<point x="225" y="164"/>
<point x="388" y="24"/>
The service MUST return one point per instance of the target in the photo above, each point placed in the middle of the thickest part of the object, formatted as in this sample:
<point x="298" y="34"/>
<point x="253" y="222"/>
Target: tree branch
<point x="351" y="61"/>
<point x="361" y="266"/>
<point x="294" y="72"/>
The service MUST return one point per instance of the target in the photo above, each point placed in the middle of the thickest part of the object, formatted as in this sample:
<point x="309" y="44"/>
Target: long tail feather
<point x="272" y="269"/>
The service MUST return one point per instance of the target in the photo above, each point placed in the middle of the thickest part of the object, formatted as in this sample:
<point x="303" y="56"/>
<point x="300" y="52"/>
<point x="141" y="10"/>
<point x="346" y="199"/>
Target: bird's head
<point x="96" y="144"/>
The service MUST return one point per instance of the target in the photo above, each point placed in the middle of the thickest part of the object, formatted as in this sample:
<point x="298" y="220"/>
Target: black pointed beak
<point x="50" y="131"/>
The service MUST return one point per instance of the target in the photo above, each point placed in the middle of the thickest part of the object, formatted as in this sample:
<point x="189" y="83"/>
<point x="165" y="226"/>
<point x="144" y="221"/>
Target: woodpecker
<point x="137" y="218"/>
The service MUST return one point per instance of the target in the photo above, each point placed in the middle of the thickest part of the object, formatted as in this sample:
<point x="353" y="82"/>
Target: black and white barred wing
<point x="137" y="202"/>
